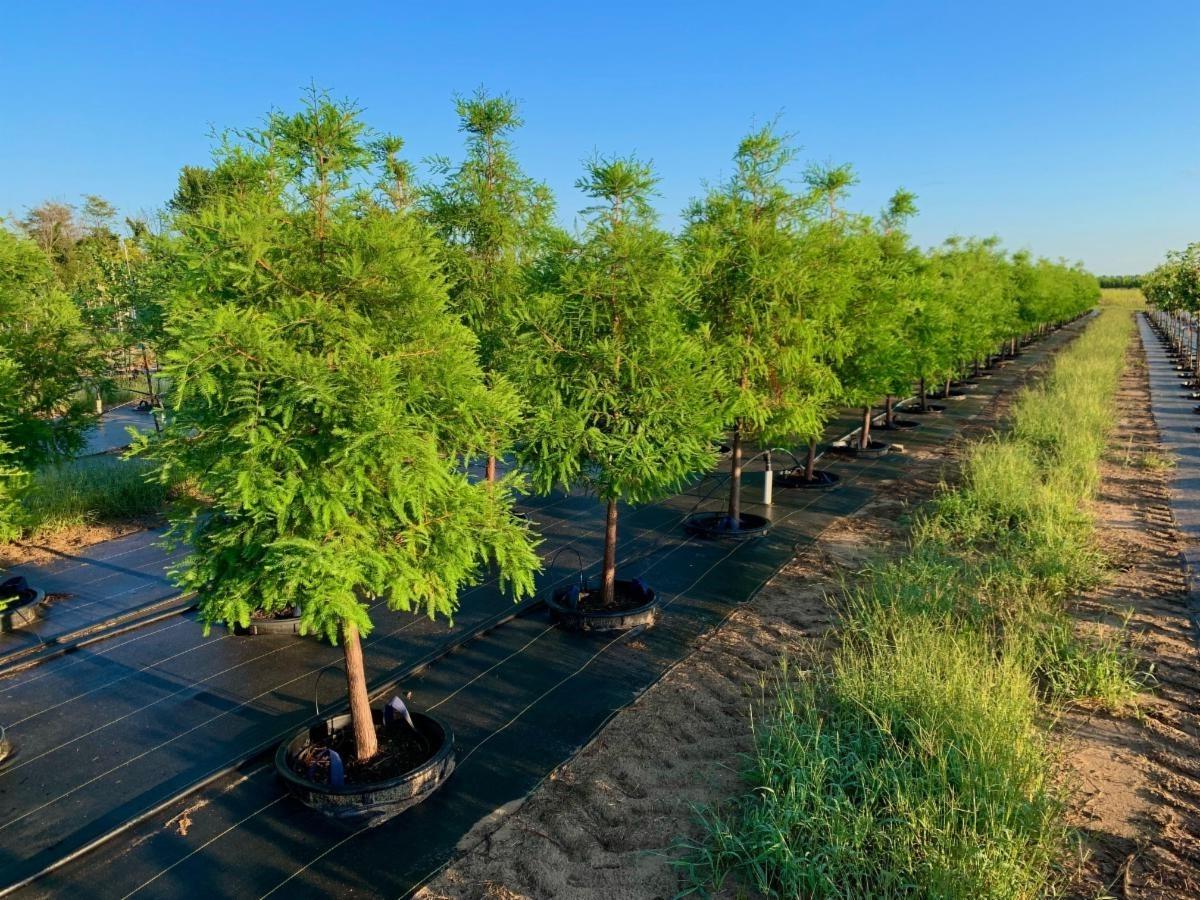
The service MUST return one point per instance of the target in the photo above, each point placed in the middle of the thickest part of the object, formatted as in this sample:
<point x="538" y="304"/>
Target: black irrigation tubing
<point x="487" y="625"/>
<point x="861" y="473"/>
<point x="273" y="649"/>
<point x="69" y="642"/>
<point x="388" y="684"/>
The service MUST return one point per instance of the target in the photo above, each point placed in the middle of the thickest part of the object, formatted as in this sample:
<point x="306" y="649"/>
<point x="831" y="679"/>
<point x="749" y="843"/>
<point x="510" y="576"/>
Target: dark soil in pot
<point x="955" y="394"/>
<point x="719" y="525"/>
<point x="793" y="479"/>
<point x="582" y="608"/>
<point x="898" y="425"/>
<point x="285" y="621"/>
<point x="411" y="764"/>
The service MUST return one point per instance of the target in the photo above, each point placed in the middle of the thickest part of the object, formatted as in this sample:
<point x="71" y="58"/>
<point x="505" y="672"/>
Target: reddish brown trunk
<point x="889" y="412"/>
<point x="366" y="742"/>
<point x="924" y="399"/>
<point x="609" y="582"/>
<point x="810" y="463"/>
<point x="735" y="478"/>
<point x="491" y="470"/>
<point x="864" y="434"/>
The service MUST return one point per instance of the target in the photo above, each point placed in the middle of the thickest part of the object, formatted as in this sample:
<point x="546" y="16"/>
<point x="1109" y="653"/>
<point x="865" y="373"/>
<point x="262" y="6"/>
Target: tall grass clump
<point x="89" y="490"/>
<point x="915" y="762"/>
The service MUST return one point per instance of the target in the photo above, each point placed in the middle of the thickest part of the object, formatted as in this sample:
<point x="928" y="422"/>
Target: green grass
<point x="86" y="491"/>
<point x="916" y="762"/>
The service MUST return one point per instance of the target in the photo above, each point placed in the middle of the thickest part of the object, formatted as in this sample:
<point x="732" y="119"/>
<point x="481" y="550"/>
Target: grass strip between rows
<point x="916" y="762"/>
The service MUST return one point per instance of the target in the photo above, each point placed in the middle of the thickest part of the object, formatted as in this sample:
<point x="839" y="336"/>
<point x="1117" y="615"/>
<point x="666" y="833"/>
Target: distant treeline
<point x="1120" y="281"/>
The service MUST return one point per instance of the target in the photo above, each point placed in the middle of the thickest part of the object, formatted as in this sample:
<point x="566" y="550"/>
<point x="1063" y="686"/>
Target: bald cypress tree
<point x="765" y="312"/>
<point x="494" y="221"/>
<point x="323" y="396"/>
<point x="621" y="400"/>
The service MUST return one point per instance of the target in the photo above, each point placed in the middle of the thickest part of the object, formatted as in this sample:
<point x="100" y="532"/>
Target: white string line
<point x="146" y="635"/>
<point x="205" y="643"/>
<point x="221" y="715"/>
<point x="172" y="740"/>
<point x="566" y="678"/>
<point x="481" y="586"/>
<point x="104" y="651"/>
<point x="211" y="840"/>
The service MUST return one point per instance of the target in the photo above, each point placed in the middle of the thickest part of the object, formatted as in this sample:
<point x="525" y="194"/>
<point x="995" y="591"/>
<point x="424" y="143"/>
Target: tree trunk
<point x="735" y="478"/>
<point x="810" y="463"/>
<point x="889" y="412"/>
<point x="1012" y="348"/>
<point x="150" y="391"/>
<point x="609" y="583"/>
<point x="977" y="367"/>
<point x="491" y="469"/>
<point x="948" y="380"/>
<point x="366" y="743"/>
<point x="864" y="434"/>
<point x="924" y="400"/>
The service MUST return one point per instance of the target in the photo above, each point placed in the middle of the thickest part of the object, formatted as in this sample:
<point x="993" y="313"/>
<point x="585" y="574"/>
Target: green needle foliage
<point x="915" y="764"/>
<point x="47" y="357"/>
<point x="621" y="399"/>
<point x="323" y="396"/>
<point x="494" y="221"/>
<point x="764" y="309"/>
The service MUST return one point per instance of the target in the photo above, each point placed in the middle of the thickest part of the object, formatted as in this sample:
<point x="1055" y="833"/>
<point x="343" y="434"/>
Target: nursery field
<point x="215" y="707"/>
<point x="365" y="530"/>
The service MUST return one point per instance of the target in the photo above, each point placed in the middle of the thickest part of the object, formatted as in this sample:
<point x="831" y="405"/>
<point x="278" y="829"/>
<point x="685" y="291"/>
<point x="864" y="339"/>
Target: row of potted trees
<point x="343" y="344"/>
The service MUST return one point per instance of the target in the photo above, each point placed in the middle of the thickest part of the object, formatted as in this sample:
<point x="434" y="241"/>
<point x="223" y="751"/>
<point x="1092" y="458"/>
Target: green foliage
<point x="620" y="397"/>
<point x="915" y="764"/>
<point x="765" y="300"/>
<point x="89" y="490"/>
<point x="1175" y="285"/>
<point x="493" y="221"/>
<point x="323" y="396"/>
<point x="46" y="356"/>
<point x="1120" y="281"/>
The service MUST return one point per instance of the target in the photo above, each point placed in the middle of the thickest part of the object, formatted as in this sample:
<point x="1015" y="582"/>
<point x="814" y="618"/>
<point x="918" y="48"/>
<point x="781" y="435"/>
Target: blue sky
<point x="1069" y="128"/>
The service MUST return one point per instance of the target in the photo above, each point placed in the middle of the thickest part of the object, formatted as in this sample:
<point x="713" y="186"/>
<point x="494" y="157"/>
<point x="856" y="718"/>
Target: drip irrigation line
<point x="483" y="628"/>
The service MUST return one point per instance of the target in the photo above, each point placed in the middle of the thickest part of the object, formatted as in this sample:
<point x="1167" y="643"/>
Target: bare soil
<point x="44" y="549"/>
<point x="607" y="824"/>
<point x="1137" y="776"/>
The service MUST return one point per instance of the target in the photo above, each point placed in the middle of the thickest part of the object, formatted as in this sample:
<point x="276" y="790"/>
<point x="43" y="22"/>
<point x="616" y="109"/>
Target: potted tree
<point x="494" y="221"/>
<point x="765" y="313"/>
<point x="322" y="401"/>
<point x="620" y="398"/>
<point x="904" y="282"/>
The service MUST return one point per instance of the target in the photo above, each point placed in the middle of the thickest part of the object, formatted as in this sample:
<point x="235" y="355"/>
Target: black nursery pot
<point x="873" y="450"/>
<point x="898" y="425"/>
<point x="720" y="526"/>
<point x="21" y="610"/>
<point x="273" y="625"/>
<point x="793" y="479"/>
<point x="374" y="802"/>
<point x="576" y="609"/>
<point x="931" y="409"/>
